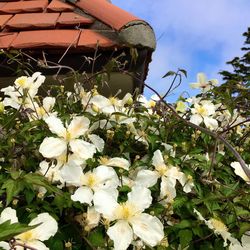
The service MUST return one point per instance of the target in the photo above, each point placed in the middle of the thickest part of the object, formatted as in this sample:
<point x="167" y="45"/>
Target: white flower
<point x="239" y="171"/>
<point x="51" y="172"/>
<point x="43" y="111"/>
<point x="129" y="217"/>
<point x="244" y="245"/>
<point x="204" y="84"/>
<point x="88" y="183"/>
<point x="52" y="147"/>
<point x="168" y="174"/>
<point x="203" y="111"/>
<point x="24" y="87"/>
<point x="47" y="227"/>
<point x="218" y="227"/>
<point x="34" y="237"/>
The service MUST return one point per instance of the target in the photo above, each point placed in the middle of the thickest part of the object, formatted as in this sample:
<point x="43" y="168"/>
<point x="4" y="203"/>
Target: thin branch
<point x="206" y="131"/>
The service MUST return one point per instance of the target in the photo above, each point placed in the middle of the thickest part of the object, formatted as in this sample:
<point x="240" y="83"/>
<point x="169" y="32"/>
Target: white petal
<point x="201" y="78"/>
<point x="122" y="235"/>
<point x="93" y="217"/>
<point x="8" y="214"/>
<point x="97" y="141"/>
<point x="167" y="190"/>
<point x="48" y="103"/>
<point x="105" y="204"/>
<point x="146" y="178"/>
<point x="106" y="175"/>
<point x="157" y="159"/>
<point x="196" y="119"/>
<point x="140" y="197"/>
<point x="83" y="194"/>
<point x="37" y="245"/>
<point x="47" y="229"/>
<point x="71" y="173"/>
<point x="118" y="162"/>
<point x="82" y="148"/>
<point x="52" y="147"/>
<point x="78" y="126"/>
<point x="148" y="228"/>
<point x="239" y="171"/>
<point x="4" y="245"/>
<point x="210" y="123"/>
<point x="56" y="126"/>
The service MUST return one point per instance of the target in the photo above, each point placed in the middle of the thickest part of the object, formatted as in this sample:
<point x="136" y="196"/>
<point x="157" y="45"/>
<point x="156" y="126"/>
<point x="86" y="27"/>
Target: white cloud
<point x="198" y="35"/>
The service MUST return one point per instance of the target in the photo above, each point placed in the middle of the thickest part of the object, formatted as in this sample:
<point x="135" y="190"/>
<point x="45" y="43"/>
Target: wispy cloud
<point x="198" y="35"/>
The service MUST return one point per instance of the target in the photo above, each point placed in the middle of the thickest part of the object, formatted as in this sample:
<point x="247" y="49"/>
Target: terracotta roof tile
<point x="57" y="6"/>
<point x="106" y="12"/>
<point x="72" y="18"/>
<point x="24" y="6"/>
<point x="46" y="39"/>
<point x="6" y="39"/>
<point x="33" y="20"/>
<point x="4" y="19"/>
<point x="91" y="39"/>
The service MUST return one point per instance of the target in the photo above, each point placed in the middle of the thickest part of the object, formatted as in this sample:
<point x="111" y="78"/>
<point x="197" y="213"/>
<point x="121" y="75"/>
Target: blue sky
<point x="196" y="35"/>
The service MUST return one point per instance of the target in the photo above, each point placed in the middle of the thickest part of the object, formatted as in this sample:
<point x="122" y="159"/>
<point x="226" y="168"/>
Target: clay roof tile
<point x="106" y="12"/>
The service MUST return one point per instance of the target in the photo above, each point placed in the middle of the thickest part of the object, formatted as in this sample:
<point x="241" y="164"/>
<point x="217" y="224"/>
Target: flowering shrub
<point x="82" y="171"/>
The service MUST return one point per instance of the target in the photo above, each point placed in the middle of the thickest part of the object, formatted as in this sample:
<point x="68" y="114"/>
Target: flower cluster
<point x="119" y="172"/>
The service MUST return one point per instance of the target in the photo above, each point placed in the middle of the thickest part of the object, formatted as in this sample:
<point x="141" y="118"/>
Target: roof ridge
<point x="105" y="11"/>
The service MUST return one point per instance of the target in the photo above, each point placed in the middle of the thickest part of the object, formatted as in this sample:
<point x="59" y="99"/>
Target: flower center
<point x="202" y="111"/>
<point x="68" y="136"/>
<point x="125" y="211"/>
<point x="218" y="225"/>
<point x="162" y="169"/>
<point x="27" y="236"/>
<point x="90" y="180"/>
<point x="21" y="81"/>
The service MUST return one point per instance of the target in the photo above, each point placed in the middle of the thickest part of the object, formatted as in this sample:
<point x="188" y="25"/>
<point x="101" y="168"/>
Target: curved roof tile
<point x="106" y="12"/>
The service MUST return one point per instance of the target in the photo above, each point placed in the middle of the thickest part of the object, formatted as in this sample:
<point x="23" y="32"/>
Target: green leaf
<point x="13" y="187"/>
<point x="185" y="237"/>
<point x="183" y="224"/>
<point x="40" y="180"/>
<point x="169" y="73"/>
<point x="96" y="238"/>
<point x="184" y="72"/>
<point x="8" y="230"/>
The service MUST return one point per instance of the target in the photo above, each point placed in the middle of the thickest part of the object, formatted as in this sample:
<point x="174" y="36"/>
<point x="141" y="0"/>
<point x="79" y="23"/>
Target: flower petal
<point x="82" y="148"/>
<point x="71" y="174"/>
<point x="146" y="178"/>
<point x="210" y="123"/>
<point x="56" y="126"/>
<point x="8" y="214"/>
<point x="106" y="176"/>
<point x="122" y="235"/>
<point x="83" y="194"/>
<point x="36" y="244"/>
<point x="97" y="141"/>
<point x="141" y="197"/>
<point x="78" y="126"/>
<point x="4" y="245"/>
<point x="239" y="171"/>
<point x="196" y="119"/>
<point x="148" y="228"/>
<point x="105" y="203"/>
<point x="118" y="162"/>
<point x="52" y="147"/>
<point x="157" y="159"/>
<point x="47" y="228"/>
